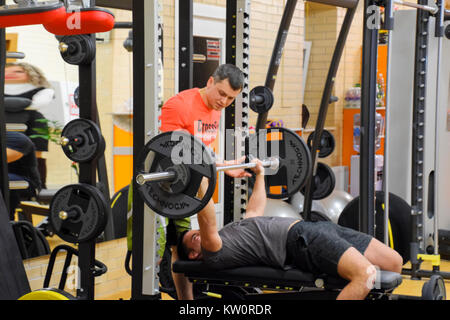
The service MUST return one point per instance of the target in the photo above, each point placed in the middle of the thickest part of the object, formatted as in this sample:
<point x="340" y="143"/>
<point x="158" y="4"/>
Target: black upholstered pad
<point x="271" y="277"/>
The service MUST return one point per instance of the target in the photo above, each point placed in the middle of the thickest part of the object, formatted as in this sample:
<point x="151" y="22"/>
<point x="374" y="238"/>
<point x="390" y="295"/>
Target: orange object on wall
<point x="347" y="136"/>
<point x="122" y="163"/>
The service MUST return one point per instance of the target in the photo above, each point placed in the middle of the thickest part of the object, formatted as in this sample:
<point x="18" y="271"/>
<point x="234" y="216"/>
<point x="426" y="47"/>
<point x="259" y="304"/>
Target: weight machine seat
<point x="272" y="278"/>
<point x="46" y="195"/>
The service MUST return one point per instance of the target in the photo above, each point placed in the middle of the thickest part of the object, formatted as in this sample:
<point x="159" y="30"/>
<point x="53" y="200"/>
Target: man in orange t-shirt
<point x="198" y="111"/>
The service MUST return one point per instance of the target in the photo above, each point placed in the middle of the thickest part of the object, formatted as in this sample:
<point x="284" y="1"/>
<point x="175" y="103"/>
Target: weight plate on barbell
<point x="85" y="140"/>
<point x="327" y="143"/>
<point x="89" y="206"/>
<point x="183" y="149"/>
<point x="324" y="182"/>
<point x="294" y="160"/>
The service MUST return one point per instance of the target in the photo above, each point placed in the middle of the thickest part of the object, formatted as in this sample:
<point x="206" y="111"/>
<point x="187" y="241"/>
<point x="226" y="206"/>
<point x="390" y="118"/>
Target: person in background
<point x="24" y="80"/>
<point x="198" y="111"/>
<point x="22" y="166"/>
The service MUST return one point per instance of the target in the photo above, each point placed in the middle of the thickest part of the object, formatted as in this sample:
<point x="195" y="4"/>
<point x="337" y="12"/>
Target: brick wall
<point x="321" y="30"/>
<point x="322" y="27"/>
<point x="264" y="23"/>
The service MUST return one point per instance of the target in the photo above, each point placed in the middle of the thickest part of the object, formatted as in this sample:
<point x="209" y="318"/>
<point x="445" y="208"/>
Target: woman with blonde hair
<point x="23" y="80"/>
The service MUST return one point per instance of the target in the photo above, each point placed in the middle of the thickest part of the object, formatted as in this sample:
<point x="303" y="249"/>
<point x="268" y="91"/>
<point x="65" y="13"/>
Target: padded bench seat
<point x="272" y="278"/>
<point x="46" y="195"/>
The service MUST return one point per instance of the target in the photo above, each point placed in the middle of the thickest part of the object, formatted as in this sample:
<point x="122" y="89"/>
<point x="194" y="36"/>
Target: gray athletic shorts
<point x="316" y="247"/>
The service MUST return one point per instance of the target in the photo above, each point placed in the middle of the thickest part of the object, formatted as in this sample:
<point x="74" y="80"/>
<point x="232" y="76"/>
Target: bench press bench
<point x="294" y="282"/>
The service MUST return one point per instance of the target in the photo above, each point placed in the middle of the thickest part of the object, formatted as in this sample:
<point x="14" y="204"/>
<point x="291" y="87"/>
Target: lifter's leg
<point x="384" y="257"/>
<point x="356" y="268"/>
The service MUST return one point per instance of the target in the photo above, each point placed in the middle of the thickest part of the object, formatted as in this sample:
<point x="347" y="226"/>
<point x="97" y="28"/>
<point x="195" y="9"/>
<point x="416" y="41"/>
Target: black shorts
<point x="316" y="247"/>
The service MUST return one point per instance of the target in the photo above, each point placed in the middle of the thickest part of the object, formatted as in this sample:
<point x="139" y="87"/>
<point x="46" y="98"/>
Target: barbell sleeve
<point x="142" y="178"/>
<point x="155" y="177"/>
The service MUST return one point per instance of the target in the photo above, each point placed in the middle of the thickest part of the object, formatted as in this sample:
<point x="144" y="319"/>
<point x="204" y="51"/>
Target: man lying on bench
<point x="282" y="242"/>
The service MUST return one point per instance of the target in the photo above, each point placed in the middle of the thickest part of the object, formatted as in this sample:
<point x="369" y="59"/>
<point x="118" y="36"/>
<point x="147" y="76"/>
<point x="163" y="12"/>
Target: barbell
<point x="172" y="175"/>
<point x="173" y="164"/>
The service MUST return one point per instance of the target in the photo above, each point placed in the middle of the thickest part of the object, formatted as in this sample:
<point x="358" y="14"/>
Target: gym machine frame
<point x="145" y="72"/>
<point x="369" y="71"/>
<point x="326" y="95"/>
<point x="237" y="114"/>
<point x="146" y="57"/>
<point x="4" y="181"/>
<point x="88" y="174"/>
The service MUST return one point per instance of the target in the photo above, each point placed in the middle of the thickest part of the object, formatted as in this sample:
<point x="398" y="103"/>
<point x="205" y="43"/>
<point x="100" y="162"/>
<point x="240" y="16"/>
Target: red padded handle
<point x="24" y="19"/>
<point x="81" y="22"/>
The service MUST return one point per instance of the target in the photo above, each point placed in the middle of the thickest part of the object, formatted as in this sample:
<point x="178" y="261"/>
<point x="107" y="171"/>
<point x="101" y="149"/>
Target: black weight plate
<point x="327" y="143"/>
<point x="92" y="145"/>
<point x="261" y="99"/>
<point x="181" y="148"/>
<point x="91" y="221"/>
<point x="100" y="197"/>
<point x="76" y="96"/>
<point x="294" y="156"/>
<point x="399" y="218"/>
<point x="81" y="49"/>
<point x="434" y="289"/>
<point x="323" y="182"/>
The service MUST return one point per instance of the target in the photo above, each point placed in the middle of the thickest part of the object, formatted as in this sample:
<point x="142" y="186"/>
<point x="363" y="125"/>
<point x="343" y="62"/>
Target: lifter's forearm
<point x="210" y="239"/>
<point x="258" y="200"/>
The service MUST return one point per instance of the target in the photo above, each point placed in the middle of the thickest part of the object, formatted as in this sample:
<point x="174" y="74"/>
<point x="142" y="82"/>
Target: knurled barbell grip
<point x="272" y="163"/>
<point x="143" y="178"/>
